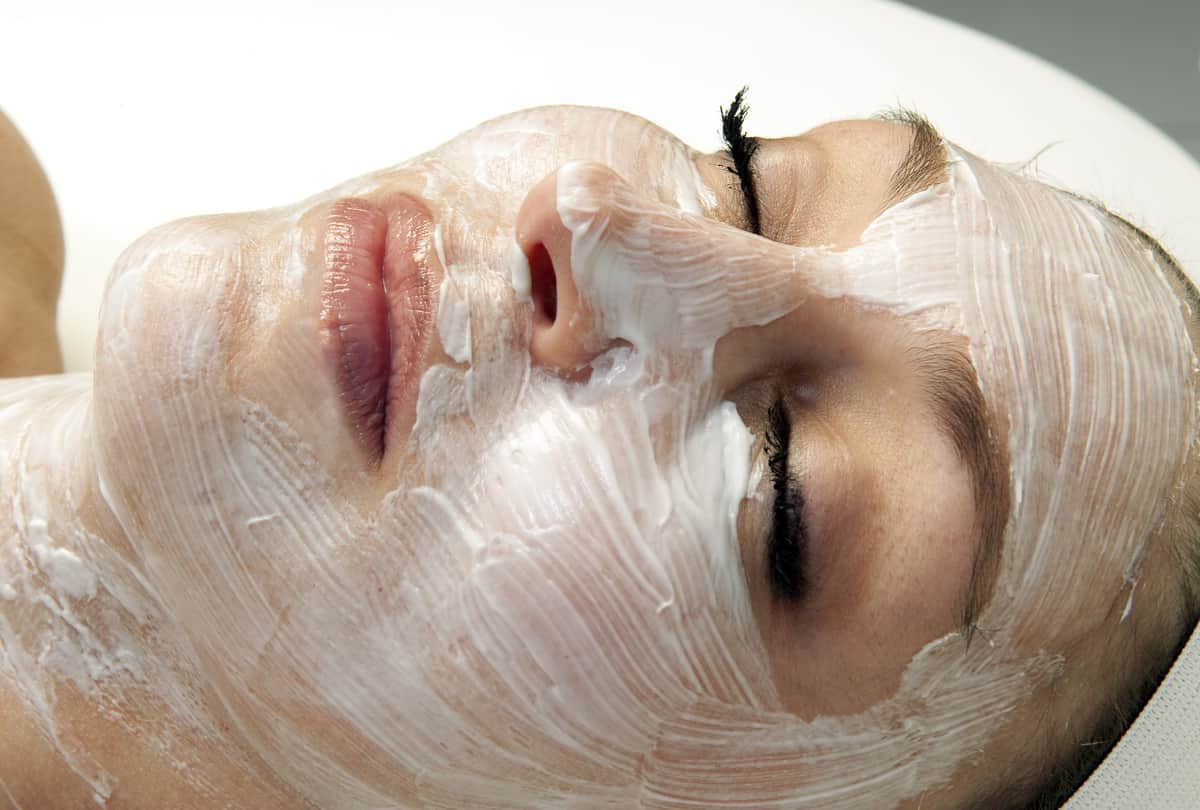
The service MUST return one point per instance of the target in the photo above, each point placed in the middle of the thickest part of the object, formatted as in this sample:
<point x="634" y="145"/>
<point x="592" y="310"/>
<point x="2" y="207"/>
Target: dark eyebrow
<point x="949" y="381"/>
<point x="924" y="164"/>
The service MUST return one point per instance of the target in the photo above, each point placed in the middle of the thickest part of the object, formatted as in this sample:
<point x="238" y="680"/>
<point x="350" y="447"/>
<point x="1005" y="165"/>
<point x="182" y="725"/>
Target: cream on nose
<point x="565" y="338"/>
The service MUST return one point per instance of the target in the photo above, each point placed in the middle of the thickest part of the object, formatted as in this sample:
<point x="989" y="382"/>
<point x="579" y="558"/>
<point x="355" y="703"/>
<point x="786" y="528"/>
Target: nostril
<point x="563" y="335"/>
<point x="543" y="285"/>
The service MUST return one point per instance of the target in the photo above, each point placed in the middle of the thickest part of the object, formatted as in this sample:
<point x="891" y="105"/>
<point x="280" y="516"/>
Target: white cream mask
<point x="544" y="603"/>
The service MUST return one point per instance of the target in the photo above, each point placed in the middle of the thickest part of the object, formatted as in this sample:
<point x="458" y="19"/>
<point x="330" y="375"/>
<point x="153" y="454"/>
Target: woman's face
<point x="521" y="474"/>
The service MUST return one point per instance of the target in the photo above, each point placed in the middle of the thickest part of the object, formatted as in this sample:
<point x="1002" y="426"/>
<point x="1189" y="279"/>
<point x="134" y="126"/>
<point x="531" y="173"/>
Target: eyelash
<point x="787" y="545"/>
<point x="741" y="149"/>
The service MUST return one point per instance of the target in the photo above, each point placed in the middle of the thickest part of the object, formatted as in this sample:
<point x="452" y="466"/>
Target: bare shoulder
<point x="31" y="260"/>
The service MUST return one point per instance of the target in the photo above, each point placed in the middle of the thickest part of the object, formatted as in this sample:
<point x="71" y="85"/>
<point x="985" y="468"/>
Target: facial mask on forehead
<point x="549" y="609"/>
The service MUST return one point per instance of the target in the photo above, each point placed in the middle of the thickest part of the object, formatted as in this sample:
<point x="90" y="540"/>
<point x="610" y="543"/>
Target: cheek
<point x="629" y="534"/>
<point x="560" y="599"/>
<point x="568" y="588"/>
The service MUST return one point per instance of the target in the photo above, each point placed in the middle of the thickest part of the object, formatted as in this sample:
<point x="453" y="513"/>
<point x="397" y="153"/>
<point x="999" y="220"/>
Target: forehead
<point x="1081" y="346"/>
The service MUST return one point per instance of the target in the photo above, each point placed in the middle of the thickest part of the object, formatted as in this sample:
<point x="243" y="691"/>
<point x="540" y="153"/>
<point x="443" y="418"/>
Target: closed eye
<point x="787" y="542"/>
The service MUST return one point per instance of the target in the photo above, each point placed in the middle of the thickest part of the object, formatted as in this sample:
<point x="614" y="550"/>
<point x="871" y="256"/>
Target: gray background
<point x="1144" y="53"/>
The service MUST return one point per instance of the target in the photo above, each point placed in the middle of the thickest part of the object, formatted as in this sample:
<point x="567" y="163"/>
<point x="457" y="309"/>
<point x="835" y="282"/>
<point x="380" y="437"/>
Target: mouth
<point x="376" y="313"/>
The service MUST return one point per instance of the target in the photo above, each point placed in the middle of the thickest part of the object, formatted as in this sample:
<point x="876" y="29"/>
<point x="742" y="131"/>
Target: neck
<point x="100" y="694"/>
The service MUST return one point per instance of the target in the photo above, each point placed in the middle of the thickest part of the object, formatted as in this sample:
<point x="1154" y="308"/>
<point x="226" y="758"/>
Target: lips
<point x="375" y="312"/>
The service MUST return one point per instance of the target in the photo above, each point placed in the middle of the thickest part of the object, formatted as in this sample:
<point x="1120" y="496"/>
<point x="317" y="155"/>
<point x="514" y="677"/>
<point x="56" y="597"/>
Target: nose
<point x="565" y="336"/>
<point x="611" y="265"/>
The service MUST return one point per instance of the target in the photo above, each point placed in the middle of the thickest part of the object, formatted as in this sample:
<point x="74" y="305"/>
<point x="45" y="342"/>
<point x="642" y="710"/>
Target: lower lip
<point x="375" y="311"/>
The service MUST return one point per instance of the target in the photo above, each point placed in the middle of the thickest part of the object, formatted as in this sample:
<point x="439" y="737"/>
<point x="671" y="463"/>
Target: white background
<point x="141" y="117"/>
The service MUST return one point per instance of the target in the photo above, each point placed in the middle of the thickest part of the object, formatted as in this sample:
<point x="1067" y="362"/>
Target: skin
<point x="890" y="504"/>
<point x="31" y="261"/>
